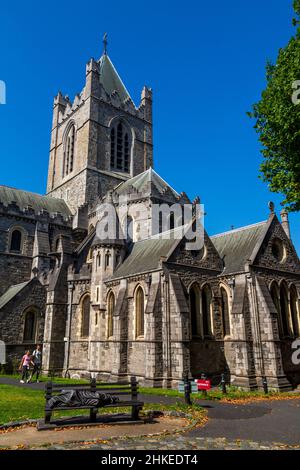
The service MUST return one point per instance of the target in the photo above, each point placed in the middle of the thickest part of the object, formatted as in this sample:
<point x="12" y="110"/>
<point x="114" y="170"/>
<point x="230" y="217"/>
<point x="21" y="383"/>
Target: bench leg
<point x="48" y="417"/>
<point x="93" y="415"/>
<point x="135" y="412"/>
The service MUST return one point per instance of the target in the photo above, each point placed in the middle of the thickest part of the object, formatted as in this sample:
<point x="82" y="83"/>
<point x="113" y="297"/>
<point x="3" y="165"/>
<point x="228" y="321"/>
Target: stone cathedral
<point x="142" y="304"/>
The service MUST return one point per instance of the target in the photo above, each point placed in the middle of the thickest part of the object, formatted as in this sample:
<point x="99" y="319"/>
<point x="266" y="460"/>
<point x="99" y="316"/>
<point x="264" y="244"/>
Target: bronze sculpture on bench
<point x="91" y="396"/>
<point x="81" y="398"/>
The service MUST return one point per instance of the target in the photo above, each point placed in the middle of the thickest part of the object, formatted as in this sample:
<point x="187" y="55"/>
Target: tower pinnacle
<point x="105" y="42"/>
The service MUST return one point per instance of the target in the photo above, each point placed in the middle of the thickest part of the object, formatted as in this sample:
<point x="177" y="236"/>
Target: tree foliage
<point x="277" y="117"/>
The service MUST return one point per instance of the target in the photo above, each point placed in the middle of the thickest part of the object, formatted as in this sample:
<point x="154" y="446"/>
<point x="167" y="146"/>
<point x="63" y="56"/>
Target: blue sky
<point x="205" y="62"/>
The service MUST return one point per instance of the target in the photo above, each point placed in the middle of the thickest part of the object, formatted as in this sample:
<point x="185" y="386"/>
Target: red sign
<point x="203" y="384"/>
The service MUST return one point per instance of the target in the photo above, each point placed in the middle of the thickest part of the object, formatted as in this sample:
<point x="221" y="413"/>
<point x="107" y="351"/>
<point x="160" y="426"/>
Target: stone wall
<point x="12" y="319"/>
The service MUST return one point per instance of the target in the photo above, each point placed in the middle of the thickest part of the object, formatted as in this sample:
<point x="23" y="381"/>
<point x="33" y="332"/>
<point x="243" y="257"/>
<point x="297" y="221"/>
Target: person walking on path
<point x="37" y="363"/>
<point x="24" y="366"/>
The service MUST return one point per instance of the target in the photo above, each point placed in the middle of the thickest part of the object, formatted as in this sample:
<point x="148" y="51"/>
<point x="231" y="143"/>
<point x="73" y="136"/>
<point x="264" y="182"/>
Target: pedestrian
<point x="24" y="366"/>
<point x="37" y="363"/>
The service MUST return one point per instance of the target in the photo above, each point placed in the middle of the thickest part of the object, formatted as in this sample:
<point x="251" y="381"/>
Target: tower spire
<point x="105" y="44"/>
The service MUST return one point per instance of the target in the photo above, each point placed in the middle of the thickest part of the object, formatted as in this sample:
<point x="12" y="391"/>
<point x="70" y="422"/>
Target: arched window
<point x="16" y="241"/>
<point x="29" y="327"/>
<point x="274" y="291"/>
<point x="225" y="311"/>
<point x="294" y="310"/>
<point x="160" y="222"/>
<point x="107" y="260"/>
<point x="139" y="311"/>
<point x="284" y="309"/>
<point x="98" y="261"/>
<point x="129" y="228"/>
<point x="206" y="310"/>
<point x="85" y="316"/>
<point x="172" y="221"/>
<point x="110" y="314"/>
<point x="69" y="151"/>
<point x="195" y="310"/>
<point x="120" y="148"/>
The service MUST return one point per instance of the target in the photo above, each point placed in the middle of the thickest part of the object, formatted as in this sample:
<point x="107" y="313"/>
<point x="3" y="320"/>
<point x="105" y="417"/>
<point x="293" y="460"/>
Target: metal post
<point x="204" y="392"/>
<point x="223" y="384"/>
<point x="187" y="390"/>
<point x="265" y="385"/>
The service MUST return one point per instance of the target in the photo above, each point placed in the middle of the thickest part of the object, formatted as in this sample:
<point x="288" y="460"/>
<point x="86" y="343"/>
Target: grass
<point x="233" y="393"/>
<point x="18" y="403"/>
<point x="43" y="378"/>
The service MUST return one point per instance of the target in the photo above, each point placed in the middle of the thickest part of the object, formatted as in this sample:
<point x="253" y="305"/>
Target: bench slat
<point x="119" y="404"/>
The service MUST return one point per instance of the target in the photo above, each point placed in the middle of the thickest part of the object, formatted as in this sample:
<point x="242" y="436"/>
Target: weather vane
<point x="105" y="44"/>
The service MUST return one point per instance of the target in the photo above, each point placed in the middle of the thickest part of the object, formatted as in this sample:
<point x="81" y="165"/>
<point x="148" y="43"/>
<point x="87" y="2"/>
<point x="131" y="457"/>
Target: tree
<point x="277" y="117"/>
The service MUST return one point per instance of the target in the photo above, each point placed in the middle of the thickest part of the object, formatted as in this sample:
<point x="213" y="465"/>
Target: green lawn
<point x="19" y="403"/>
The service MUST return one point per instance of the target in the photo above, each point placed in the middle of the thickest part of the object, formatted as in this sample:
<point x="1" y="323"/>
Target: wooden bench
<point x="127" y="392"/>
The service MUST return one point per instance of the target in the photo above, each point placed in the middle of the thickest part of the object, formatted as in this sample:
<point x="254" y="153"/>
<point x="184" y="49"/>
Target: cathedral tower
<point x="99" y="140"/>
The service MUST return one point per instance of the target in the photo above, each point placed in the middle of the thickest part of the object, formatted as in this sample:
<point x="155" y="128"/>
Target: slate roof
<point x="236" y="247"/>
<point x="141" y="184"/>
<point x="11" y="293"/>
<point x="110" y="79"/>
<point x="36" y="201"/>
<point x="145" y="255"/>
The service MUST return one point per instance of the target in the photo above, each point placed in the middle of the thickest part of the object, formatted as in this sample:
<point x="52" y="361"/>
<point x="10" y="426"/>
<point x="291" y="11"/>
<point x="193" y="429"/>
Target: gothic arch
<point x="111" y="302"/>
<point x="16" y="239"/>
<point x="121" y="145"/>
<point x="139" y="309"/>
<point x="284" y="308"/>
<point x="206" y="310"/>
<point x="69" y="144"/>
<point x="294" y="307"/>
<point x="30" y="324"/>
<point x="195" y="311"/>
<point x="275" y="295"/>
<point x="85" y="303"/>
<point x="225" y="308"/>
<point x="128" y="227"/>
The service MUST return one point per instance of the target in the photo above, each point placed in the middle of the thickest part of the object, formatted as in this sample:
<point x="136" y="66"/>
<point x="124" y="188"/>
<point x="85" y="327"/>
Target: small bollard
<point x="223" y="384"/>
<point x="265" y="385"/>
<point x="187" y="390"/>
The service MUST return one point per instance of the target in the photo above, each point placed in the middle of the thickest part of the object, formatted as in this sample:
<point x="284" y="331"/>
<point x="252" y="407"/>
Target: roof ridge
<point x="12" y="291"/>
<point x="240" y="229"/>
<point x="166" y="183"/>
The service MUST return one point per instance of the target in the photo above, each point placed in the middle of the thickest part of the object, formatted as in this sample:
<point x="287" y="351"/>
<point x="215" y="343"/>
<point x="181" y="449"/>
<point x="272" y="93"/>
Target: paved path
<point x="173" y="443"/>
<point x="271" y="421"/>
<point x="30" y="436"/>
<point x="268" y="422"/>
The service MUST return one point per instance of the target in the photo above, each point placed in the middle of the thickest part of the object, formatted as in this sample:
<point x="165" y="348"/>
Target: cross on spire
<point x="105" y="44"/>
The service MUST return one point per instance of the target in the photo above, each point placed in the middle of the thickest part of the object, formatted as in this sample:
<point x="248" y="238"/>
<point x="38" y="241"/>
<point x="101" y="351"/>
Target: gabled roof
<point x="36" y="201"/>
<point x="146" y="254"/>
<point x="110" y="79"/>
<point x="11" y="292"/>
<point x="237" y="246"/>
<point x="146" y="183"/>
